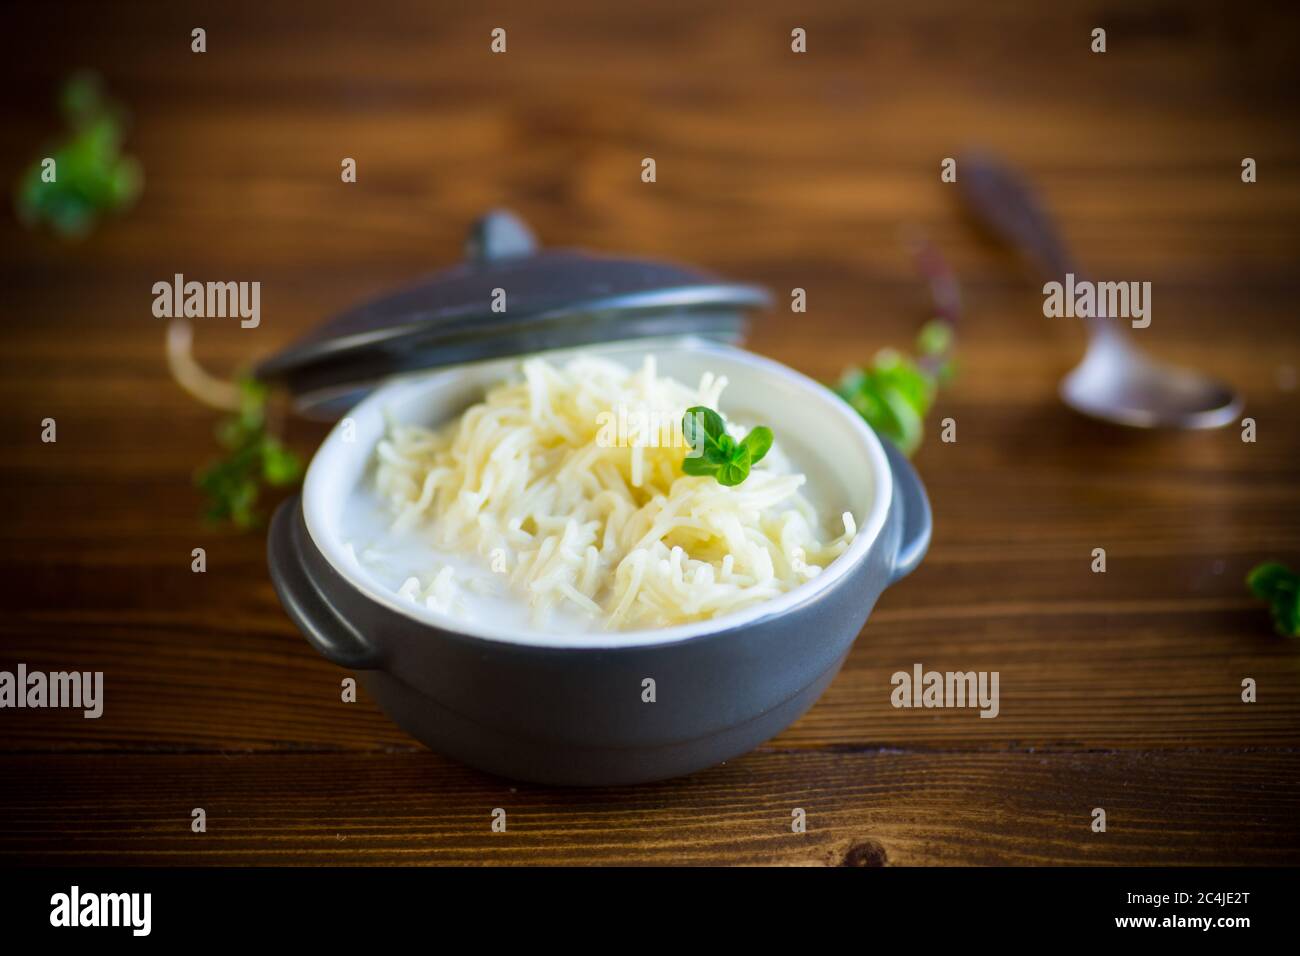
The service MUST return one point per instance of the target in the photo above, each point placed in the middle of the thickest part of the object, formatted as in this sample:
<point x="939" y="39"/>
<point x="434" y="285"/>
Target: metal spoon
<point x="1116" y="381"/>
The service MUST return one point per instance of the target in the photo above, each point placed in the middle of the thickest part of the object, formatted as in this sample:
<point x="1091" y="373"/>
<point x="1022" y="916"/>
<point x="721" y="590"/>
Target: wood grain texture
<point x="862" y="809"/>
<point x="1118" y="690"/>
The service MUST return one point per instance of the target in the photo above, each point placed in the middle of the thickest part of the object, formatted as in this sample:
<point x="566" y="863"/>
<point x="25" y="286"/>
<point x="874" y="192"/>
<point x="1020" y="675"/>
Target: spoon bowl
<point x="1118" y="382"/>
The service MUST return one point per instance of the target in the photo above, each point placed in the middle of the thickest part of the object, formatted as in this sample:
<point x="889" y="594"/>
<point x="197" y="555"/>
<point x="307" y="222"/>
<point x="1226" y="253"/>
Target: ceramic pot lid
<point x="507" y="298"/>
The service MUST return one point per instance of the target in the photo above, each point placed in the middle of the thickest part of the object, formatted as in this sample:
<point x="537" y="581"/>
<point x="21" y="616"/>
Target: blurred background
<point x="790" y="170"/>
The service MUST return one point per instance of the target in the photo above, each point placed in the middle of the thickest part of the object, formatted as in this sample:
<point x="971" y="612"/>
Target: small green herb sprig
<point x="896" y="391"/>
<point x="89" y="176"/>
<point x="254" y="457"/>
<point x="714" y="452"/>
<point x="1280" y="587"/>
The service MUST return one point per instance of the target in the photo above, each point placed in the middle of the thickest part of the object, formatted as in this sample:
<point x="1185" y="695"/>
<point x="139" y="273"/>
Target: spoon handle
<point x="1003" y="201"/>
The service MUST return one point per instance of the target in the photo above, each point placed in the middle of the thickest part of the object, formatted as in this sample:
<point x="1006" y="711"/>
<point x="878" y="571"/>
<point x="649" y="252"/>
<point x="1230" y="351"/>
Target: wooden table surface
<point x="1119" y="690"/>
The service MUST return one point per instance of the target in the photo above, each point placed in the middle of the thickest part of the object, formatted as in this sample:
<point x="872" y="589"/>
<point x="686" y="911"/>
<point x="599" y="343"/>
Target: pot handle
<point x="324" y="628"/>
<point x="911" y="500"/>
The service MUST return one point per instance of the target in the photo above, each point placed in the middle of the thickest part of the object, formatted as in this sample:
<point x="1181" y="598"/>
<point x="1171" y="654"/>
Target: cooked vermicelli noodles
<point x="569" y="482"/>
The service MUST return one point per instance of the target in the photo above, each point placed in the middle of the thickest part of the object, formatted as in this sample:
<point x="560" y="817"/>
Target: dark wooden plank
<point x="862" y="808"/>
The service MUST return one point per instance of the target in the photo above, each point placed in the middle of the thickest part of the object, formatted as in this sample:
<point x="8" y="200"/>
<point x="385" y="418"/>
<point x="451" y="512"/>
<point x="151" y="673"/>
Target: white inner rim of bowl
<point x="849" y="454"/>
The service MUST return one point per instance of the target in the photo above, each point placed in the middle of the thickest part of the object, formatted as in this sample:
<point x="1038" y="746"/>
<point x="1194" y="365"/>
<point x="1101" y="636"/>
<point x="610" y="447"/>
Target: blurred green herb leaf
<point x="720" y="455"/>
<point x="254" y="457"/>
<point x="896" y="391"/>
<point x="1280" y="587"/>
<point x="88" y="176"/>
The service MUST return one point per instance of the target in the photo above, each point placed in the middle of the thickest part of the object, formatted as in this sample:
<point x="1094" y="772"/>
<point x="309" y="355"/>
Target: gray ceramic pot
<point x="564" y="709"/>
